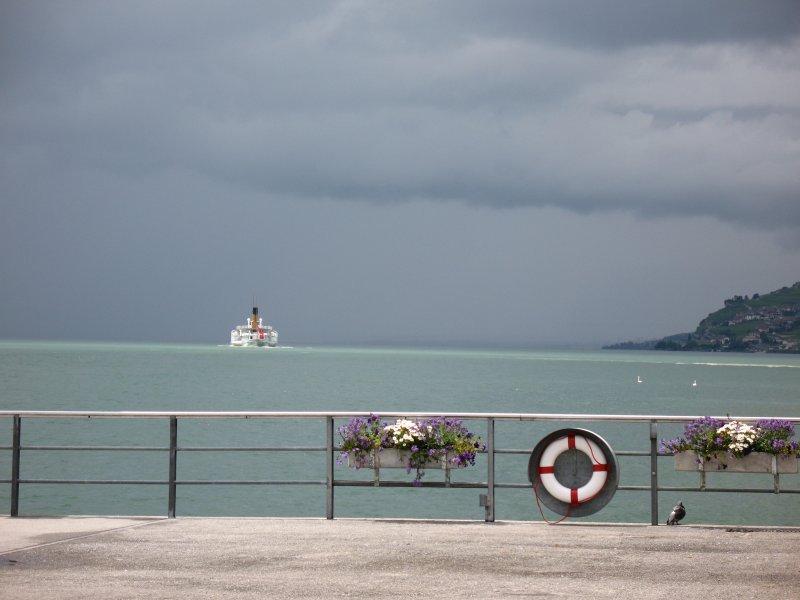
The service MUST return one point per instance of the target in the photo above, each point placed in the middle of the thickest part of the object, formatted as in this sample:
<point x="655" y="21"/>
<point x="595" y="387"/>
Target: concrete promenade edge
<point x="140" y="557"/>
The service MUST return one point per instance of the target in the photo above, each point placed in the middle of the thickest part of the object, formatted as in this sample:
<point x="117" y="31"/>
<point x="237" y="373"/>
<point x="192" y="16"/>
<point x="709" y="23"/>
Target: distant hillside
<point x="678" y="338"/>
<point x="763" y="323"/>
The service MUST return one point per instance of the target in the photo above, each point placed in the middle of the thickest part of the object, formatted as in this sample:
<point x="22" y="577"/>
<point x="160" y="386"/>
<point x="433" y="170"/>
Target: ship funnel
<point x="254" y="323"/>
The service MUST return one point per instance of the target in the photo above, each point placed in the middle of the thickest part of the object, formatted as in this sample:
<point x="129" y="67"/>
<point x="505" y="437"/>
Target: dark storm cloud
<point x="621" y="23"/>
<point x="658" y="108"/>
<point x="395" y="170"/>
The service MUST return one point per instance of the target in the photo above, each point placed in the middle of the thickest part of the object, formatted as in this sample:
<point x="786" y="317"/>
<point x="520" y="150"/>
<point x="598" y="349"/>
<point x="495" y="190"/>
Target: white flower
<point x="742" y="435"/>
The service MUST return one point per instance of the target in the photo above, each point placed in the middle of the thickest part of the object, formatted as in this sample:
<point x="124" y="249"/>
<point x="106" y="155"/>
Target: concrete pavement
<point x="110" y="558"/>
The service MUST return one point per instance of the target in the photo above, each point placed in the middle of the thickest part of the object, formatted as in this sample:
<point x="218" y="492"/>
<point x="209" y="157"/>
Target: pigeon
<point x="677" y="514"/>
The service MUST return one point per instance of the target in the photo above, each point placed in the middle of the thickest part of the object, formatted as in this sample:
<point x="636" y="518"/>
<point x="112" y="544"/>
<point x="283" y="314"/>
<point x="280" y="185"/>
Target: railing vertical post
<point x="329" y="468"/>
<point x="173" y="465"/>
<point x="653" y="473"/>
<point x="15" y="447"/>
<point x="489" y="518"/>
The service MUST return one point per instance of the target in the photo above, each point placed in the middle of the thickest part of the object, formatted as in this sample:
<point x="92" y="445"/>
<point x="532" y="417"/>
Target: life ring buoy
<point x="574" y="472"/>
<point x="586" y="492"/>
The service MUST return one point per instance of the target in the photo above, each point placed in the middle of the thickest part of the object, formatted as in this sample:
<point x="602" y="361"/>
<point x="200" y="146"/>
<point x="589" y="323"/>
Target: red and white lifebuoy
<point x="546" y="469"/>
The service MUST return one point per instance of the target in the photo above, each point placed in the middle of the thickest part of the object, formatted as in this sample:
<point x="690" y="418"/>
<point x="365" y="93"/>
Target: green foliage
<point x="708" y="437"/>
<point x="786" y="296"/>
<point x="434" y="439"/>
<point x="763" y="323"/>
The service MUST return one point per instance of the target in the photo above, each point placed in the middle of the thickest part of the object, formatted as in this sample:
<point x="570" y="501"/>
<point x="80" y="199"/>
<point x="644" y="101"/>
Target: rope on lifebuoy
<point x="541" y="512"/>
<point x="571" y="496"/>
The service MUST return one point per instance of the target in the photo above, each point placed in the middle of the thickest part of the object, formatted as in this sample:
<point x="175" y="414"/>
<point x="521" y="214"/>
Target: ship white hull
<point x="254" y="334"/>
<point x="246" y="343"/>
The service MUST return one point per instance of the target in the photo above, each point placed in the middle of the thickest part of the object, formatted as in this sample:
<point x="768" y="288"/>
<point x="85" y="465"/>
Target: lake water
<point x="118" y="377"/>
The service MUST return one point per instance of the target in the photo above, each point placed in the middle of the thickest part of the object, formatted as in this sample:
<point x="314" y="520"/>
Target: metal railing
<point x="329" y="452"/>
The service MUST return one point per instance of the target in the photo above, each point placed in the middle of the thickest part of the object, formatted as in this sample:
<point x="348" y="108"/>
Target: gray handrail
<point x="490" y="485"/>
<point x="145" y="414"/>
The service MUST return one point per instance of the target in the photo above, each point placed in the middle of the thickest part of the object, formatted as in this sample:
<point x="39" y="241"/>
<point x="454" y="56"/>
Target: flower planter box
<point x="443" y="434"/>
<point x="392" y="458"/>
<point x="756" y="462"/>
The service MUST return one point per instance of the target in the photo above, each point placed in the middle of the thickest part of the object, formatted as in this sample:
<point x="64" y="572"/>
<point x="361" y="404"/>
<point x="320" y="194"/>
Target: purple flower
<point x="433" y="439"/>
<point x="703" y="437"/>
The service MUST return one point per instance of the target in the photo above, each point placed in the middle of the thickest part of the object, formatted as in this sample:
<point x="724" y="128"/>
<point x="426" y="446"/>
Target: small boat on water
<point x="255" y="333"/>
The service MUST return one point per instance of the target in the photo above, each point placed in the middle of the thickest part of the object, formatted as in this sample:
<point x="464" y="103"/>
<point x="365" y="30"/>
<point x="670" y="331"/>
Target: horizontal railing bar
<point x="617" y="452"/>
<point x="253" y="449"/>
<point x="348" y="414"/>
<point x="259" y="449"/>
<point x="527" y="486"/>
<point x="370" y="483"/>
<point x="645" y="488"/>
<point x="183" y="449"/>
<point x="342" y="481"/>
<point x="97" y="481"/>
<point x="514" y="486"/>
<point x="309" y="449"/>
<point x="252" y="482"/>
<point x="100" y="448"/>
<point x="425" y="484"/>
<point x="178" y="482"/>
<point x="714" y="489"/>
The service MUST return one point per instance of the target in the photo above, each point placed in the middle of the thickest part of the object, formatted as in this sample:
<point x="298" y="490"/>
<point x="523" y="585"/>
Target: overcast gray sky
<point x="513" y="172"/>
